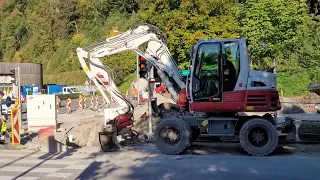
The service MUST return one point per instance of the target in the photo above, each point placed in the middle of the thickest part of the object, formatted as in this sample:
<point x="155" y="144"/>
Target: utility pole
<point x="19" y="96"/>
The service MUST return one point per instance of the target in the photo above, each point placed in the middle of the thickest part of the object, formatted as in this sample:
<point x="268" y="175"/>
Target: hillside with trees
<point x="48" y="32"/>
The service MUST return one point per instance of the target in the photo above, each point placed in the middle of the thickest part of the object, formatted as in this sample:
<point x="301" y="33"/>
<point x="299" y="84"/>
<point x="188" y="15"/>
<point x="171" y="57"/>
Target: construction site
<point x="160" y="109"/>
<point x="161" y="97"/>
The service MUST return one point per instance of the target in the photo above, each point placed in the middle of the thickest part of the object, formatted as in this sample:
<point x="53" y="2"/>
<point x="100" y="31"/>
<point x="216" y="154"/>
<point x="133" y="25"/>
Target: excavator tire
<point x="258" y="137"/>
<point x="181" y="132"/>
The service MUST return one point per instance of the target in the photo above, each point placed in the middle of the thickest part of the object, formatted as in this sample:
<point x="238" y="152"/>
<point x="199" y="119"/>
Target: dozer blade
<point x="106" y="142"/>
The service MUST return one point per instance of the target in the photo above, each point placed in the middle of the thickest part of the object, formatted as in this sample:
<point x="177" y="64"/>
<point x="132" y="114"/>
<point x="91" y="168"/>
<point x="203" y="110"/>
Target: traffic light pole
<point x="138" y="78"/>
<point x="150" y="96"/>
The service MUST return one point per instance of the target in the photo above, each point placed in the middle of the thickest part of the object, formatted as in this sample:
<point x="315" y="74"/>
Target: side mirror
<point x="271" y="70"/>
<point x="8" y="101"/>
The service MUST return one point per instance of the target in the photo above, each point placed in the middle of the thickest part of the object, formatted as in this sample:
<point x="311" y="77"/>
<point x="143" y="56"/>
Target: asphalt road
<point x="140" y="164"/>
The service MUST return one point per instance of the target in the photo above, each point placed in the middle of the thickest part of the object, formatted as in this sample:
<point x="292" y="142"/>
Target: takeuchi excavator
<point x="219" y="87"/>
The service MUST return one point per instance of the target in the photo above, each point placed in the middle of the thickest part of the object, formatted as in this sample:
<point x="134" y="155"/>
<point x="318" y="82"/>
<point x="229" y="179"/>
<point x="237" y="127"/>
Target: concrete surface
<point x="146" y="163"/>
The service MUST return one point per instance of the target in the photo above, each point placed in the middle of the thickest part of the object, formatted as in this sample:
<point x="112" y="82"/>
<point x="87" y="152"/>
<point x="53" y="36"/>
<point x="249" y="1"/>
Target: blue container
<point x="55" y="89"/>
<point x="32" y="89"/>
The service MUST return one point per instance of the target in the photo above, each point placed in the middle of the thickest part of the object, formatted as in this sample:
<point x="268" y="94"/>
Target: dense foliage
<point x="283" y="31"/>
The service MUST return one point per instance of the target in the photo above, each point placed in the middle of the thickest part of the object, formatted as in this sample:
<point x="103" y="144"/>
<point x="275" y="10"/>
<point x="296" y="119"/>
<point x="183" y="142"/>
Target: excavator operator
<point x="229" y="76"/>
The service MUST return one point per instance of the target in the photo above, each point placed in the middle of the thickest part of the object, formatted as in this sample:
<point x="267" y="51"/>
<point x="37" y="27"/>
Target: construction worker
<point x="3" y="120"/>
<point x="134" y="92"/>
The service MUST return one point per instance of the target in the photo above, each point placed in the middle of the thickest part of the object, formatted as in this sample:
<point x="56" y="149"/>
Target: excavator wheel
<point x="258" y="137"/>
<point x="173" y="136"/>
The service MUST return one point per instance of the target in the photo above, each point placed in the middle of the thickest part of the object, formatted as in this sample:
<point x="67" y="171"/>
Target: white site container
<point x="41" y="111"/>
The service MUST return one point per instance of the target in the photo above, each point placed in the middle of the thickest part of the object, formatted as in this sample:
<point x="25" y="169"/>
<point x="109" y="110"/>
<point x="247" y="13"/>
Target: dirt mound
<point x="300" y="104"/>
<point x="141" y="124"/>
<point x="310" y="98"/>
<point x="84" y="131"/>
<point x="84" y="125"/>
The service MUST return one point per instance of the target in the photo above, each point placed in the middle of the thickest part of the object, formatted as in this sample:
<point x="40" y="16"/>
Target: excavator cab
<point x="216" y="66"/>
<point x="221" y="81"/>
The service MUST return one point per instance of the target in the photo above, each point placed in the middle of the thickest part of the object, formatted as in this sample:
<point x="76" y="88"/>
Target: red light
<point x="142" y="58"/>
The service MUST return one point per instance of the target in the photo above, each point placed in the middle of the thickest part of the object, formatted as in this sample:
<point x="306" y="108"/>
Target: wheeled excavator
<point x="218" y="89"/>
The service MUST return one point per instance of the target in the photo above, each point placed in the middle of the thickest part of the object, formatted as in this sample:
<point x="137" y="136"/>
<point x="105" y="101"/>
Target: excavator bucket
<point x="106" y="142"/>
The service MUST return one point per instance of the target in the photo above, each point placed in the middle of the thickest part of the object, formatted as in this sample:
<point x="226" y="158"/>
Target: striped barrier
<point x="23" y="100"/>
<point x="97" y="100"/>
<point x="92" y="101"/>
<point x="127" y="94"/>
<point x="84" y="102"/>
<point x="104" y="101"/>
<point x="57" y="104"/>
<point x="80" y="102"/>
<point x="16" y="103"/>
<point x="15" y="119"/>
<point x="68" y="105"/>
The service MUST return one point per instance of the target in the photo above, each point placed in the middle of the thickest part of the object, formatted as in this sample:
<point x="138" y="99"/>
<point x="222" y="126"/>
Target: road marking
<point x="37" y="161"/>
<point x="20" y="178"/>
<point x="59" y="175"/>
<point x="45" y="170"/>
<point x="18" y="169"/>
<point x="43" y="156"/>
<point x="77" y="167"/>
<point x="24" y="169"/>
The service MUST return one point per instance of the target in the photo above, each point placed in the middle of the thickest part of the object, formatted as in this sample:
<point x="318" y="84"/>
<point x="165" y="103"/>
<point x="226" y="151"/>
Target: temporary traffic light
<point x="14" y="75"/>
<point x="142" y="67"/>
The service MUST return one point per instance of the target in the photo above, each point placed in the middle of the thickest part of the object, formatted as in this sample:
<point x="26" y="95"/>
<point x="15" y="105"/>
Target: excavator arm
<point x="156" y="53"/>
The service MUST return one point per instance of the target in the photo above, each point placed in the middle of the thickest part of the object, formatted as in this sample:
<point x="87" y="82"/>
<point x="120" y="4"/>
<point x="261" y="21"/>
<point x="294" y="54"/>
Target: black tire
<point x="195" y="134"/>
<point x="182" y="144"/>
<point x="269" y="139"/>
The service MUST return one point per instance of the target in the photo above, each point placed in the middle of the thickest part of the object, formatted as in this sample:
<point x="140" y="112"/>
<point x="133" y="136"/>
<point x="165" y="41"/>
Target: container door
<point x="51" y="101"/>
<point x="42" y="110"/>
<point x="33" y="107"/>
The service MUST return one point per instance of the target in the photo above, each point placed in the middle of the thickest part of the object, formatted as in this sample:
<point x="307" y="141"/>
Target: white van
<point x="69" y="90"/>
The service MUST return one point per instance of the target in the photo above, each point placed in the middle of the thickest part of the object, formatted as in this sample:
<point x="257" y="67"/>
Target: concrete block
<point x="48" y="144"/>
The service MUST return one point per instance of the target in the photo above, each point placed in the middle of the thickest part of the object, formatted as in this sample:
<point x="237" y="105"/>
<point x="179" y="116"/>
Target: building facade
<point x="30" y="74"/>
